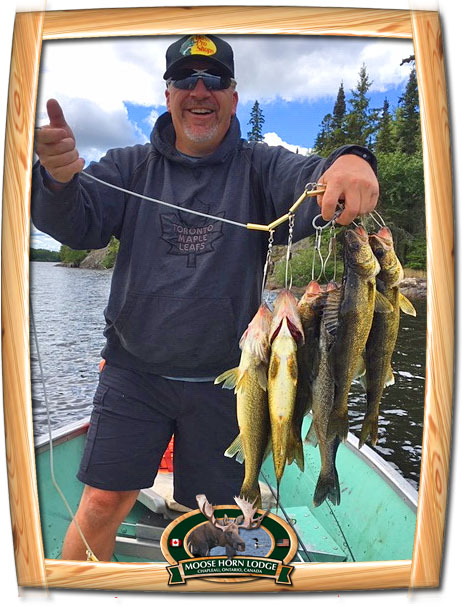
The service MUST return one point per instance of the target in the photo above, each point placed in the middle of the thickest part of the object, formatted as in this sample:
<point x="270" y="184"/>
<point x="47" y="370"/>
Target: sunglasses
<point x="188" y="80"/>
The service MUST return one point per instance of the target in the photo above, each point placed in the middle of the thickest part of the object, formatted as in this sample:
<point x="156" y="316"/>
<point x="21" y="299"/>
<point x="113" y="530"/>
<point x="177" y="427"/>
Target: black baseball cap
<point x="211" y="49"/>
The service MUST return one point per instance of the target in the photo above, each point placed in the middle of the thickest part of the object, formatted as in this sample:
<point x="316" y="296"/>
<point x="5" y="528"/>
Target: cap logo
<point x="198" y="45"/>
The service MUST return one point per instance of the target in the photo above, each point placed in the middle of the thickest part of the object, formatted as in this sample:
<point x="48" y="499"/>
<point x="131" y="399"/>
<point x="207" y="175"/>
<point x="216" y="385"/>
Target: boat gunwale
<point x="400" y="485"/>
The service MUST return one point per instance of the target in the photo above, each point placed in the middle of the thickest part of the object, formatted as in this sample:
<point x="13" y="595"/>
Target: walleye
<point x="354" y="322"/>
<point x="249" y="381"/>
<point x="384" y="332"/>
<point x="323" y="393"/>
<point x="310" y="310"/>
<point x="286" y="332"/>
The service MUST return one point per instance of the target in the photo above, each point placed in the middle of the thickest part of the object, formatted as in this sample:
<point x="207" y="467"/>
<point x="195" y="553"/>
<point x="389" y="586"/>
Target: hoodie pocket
<point x="172" y="332"/>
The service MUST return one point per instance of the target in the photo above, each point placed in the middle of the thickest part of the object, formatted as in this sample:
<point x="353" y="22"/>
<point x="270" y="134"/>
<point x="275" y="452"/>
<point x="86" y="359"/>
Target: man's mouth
<point x="198" y="111"/>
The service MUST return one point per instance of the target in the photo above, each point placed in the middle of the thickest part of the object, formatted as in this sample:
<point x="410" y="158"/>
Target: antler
<point x="249" y="509"/>
<point x="207" y="509"/>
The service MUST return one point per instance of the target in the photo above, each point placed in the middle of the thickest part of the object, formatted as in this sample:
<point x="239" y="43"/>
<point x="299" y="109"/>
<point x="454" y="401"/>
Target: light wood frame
<point x="423" y="28"/>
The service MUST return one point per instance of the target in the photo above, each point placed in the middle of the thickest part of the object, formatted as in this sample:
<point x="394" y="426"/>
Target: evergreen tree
<point x="338" y="115"/>
<point x="322" y="142"/>
<point x="385" y="141"/>
<point x="256" y="122"/>
<point x="408" y="133"/>
<point x="360" y="121"/>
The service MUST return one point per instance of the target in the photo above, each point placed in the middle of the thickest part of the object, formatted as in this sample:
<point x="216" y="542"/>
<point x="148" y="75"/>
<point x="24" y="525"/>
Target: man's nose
<point x="200" y="90"/>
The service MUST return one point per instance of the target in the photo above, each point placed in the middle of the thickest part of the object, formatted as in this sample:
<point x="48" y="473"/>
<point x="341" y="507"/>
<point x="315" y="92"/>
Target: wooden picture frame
<point x="423" y="27"/>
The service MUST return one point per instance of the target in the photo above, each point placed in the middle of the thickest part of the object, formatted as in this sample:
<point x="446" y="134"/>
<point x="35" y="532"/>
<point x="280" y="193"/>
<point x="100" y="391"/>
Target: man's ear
<point x="235" y="100"/>
<point x="167" y="98"/>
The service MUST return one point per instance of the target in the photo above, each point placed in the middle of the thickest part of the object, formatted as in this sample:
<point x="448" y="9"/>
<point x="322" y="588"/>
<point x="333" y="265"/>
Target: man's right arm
<point x="76" y="212"/>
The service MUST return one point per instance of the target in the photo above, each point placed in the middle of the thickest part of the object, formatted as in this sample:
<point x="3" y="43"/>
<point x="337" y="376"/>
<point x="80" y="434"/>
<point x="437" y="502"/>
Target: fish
<point x="355" y="317"/>
<point x="249" y="381"/>
<point x="285" y="335"/>
<point x="323" y="394"/>
<point x="384" y="331"/>
<point x="310" y="311"/>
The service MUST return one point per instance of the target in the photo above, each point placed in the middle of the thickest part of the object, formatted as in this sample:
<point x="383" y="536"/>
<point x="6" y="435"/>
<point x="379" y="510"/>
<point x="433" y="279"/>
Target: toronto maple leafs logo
<point x="191" y="235"/>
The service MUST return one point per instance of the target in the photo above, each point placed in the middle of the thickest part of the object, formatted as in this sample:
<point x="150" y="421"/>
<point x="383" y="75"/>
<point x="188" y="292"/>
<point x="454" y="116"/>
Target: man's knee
<point x="100" y="507"/>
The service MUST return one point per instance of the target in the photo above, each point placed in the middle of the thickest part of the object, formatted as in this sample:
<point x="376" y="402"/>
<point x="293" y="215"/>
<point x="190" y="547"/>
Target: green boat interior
<point x="375" y="521"/>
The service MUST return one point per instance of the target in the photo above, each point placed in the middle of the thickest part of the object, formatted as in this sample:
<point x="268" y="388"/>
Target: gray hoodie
<point x="184" y="287"/>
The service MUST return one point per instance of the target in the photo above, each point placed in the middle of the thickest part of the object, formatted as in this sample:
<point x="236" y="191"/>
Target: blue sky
<point x="111" y="90"/>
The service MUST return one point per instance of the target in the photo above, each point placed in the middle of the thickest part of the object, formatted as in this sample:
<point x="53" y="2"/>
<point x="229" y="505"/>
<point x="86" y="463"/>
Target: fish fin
<point x="295" y="451"/>
<point x="327" y="487"/>
<point x="229" y="378"/>
<point x="406" y="306"/>
<point x="262" y="376"/>
<point x="235" y="450"/>
<point x="268" y="449"/>
<point x="382" y="304"/>
<point x="338" y="425"/>
<point x="370" y="427"/>
<point x="311" y="438"/>
<point x="390" y="378"/>
<point x="331" y="311"/>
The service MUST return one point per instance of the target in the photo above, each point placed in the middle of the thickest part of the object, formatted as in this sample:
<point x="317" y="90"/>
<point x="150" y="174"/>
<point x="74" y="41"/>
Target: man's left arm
<point x="351" y="179"/>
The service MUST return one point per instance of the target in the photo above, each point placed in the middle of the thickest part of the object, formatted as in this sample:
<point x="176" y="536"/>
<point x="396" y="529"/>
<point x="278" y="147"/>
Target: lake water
<point x="68" y="309"/>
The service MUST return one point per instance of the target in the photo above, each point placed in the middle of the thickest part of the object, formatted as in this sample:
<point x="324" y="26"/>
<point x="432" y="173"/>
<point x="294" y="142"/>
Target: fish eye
<point x="379" y="253"/>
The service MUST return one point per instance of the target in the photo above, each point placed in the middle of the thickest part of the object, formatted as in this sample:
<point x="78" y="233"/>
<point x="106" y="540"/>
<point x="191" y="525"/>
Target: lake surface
<point x="68" y="309"/>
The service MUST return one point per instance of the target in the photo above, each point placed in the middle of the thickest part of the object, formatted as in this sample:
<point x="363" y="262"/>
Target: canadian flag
<point x="175" y="542"/>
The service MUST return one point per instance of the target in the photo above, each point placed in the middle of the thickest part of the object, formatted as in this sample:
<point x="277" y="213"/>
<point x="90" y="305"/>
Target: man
<point x="184" y="286"/>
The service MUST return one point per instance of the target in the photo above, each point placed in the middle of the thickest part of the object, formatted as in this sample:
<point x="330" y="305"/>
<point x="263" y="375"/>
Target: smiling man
<point x="185" y="286"/>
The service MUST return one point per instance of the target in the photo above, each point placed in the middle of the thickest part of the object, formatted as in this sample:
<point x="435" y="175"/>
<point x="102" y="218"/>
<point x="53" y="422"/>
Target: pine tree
<point x="408" y="132"/>
<point x="322" y="142"/>
<point x="385" y="141"/>
<point x="256" y="122"/>
<point x="360" y="121"/>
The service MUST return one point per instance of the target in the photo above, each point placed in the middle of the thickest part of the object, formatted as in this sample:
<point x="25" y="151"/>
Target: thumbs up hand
<point x="55" y="146"/>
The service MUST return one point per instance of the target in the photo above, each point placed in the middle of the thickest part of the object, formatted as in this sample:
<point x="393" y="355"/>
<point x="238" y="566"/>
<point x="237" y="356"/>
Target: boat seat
<point x="159" y="497"/>
<point x="318" y="543"/>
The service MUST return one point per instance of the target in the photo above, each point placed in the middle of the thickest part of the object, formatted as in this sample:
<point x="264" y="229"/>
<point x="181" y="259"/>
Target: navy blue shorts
<point x="135" y="415"/>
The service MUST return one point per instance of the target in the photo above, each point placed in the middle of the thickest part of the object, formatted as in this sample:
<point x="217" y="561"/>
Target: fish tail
<point x="328" y="487"/>
<point x="370" y="427"/>
<point x="338" y="425"/>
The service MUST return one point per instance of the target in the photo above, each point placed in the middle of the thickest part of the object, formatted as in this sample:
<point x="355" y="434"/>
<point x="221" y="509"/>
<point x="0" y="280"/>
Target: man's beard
<point x="203" y="137"/>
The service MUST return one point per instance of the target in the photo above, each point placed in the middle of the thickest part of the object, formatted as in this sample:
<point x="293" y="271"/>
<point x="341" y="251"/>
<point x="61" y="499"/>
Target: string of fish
<point x="309" y="189"/>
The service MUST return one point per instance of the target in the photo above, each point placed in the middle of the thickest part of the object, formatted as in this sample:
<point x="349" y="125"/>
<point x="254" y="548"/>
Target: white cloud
<point x="151" y="119"/>
<point x="312" y="67"/>
<point x="275" y="139"/>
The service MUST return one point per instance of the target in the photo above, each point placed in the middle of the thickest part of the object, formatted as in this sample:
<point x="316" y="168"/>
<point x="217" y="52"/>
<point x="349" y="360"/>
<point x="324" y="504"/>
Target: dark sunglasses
<point x="188" y="81"/>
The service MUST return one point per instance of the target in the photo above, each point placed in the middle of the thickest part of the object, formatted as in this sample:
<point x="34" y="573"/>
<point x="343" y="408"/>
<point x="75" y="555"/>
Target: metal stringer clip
<point x="267" y="262"/>
<point x="289" y="251"/>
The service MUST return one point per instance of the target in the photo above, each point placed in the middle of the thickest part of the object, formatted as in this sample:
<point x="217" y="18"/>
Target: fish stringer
<point x="288" y="285"/>
<point x="267" y="265"/>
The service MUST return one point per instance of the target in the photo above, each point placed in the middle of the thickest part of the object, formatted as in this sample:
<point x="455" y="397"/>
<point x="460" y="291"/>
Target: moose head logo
<point x="225" y="531"/>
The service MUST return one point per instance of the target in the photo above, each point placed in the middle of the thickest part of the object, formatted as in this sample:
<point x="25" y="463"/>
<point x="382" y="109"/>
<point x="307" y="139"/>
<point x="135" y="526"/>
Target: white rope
<point x="185" y="210"/>
<point x="90" y="554"/>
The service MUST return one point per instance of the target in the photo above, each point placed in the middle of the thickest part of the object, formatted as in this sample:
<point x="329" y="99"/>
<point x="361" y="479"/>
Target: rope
<point x="90" y="555"/>
<point x="186" y="210"/>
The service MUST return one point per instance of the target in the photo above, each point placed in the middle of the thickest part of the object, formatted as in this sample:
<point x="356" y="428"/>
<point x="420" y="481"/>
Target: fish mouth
<point x="356" y="235"/>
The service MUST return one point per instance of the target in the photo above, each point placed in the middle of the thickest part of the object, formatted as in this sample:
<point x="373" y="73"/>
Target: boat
<point x="375" y="520"/>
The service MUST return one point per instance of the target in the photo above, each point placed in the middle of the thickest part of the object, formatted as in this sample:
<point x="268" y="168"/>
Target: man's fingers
<point x="65" y="173"/>
<point x="46" y="135"/>
<point x="330" y="200"/>
<point x="55" y="114"/>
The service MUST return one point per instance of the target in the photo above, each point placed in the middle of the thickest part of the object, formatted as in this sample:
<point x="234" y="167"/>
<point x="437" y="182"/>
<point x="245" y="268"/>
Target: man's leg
<point x="99" y="515"/>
